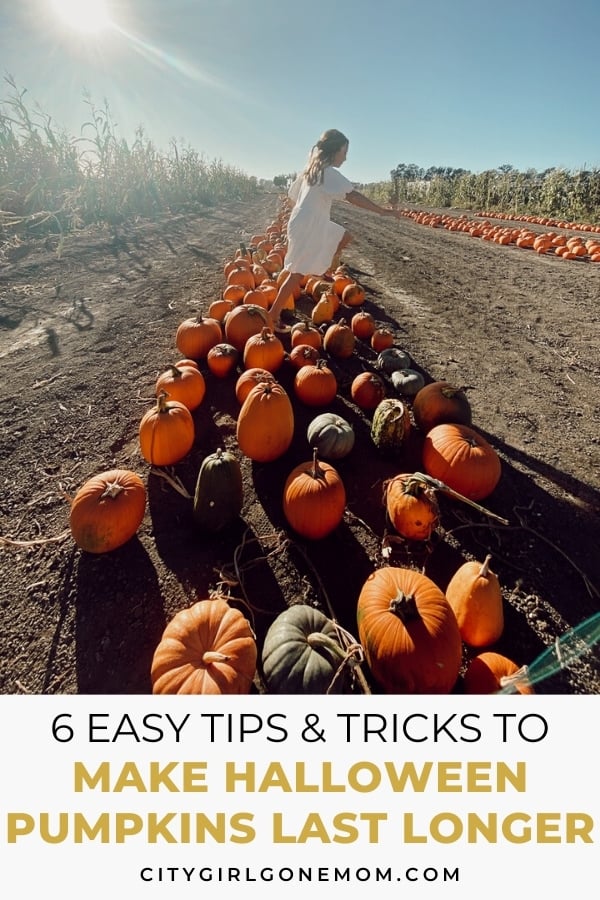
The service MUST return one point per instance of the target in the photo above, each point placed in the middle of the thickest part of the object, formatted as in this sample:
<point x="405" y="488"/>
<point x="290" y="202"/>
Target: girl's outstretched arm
<point x="358" y="199"/>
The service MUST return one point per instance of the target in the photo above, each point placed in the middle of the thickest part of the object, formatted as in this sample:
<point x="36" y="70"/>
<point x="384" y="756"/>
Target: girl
<point x="315" y="242"/>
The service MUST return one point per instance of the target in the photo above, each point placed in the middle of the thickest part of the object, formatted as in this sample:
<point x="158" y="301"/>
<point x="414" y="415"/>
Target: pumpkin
<point x="107" y="510"/>
<point x="208" y="648"/>
<point x="331" y="436"/>
<point x="195" y="336"/>
<point x="412" y="507"/>
<point x="222" y="359"/>
<point x="190" y="363"/>
<point x="363" y="325"/>
<point x="391" y="359"/>
<point x="303" y="355"/>
<point x="264" y="351"/>
<point x="484" y="674"/>
<point x="243" y="322"/>
<point x="219" y="308"/>
<point x="324" y="309"/>
<point x="475" y="595"/>
<point x="341" y="280"/>
<point x="407" y="381"/>
<point x="257" y="297"/>
<point x="305" y="333"/>
<point x="265" y="425"/>
<point x="367" y="390"/>
<point x="314" y="498"/>
<point x="184" y="383"/>
<point x="317" y="287"/>
<point x="353" y="294"/>
<point x="461" y="458"/>
<point x="233" y="294"/>
<point x="390" y="426"/>
<point x="382" y="338"/>
<point x="408" y="632"/>
<point x="438" y="403"/>
<point x="219" y="493"/>
<point x="166" y="432"/>
<point x="302" y="653"/>
<point x="339" y="340"/>
<point x="242" y="275"/>
<point x="315" y="385"/>
<point x="249" y="379"/>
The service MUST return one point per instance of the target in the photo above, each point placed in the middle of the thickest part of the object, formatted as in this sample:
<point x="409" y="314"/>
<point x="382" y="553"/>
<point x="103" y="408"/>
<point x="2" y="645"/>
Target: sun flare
<point x="87" y="16"/>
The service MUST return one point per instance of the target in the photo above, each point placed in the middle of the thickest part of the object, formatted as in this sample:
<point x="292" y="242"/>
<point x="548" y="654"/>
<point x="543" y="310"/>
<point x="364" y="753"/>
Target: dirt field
<point x="83" y="337"/>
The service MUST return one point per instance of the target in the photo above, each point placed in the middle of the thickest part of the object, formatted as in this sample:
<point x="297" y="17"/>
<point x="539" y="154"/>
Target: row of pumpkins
<point x="410" y="632"/>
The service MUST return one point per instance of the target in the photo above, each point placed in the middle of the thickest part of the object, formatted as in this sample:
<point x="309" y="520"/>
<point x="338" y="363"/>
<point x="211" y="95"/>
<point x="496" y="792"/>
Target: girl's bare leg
<point x="347" y="239"/>
<point x="288" y="288"/>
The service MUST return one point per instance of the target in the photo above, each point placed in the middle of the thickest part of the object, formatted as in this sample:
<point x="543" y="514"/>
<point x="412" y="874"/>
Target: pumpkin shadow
<point x="118" y="620"/>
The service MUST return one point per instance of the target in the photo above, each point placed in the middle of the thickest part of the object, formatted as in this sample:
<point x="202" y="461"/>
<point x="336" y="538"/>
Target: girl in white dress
<point x="314" y="241"/>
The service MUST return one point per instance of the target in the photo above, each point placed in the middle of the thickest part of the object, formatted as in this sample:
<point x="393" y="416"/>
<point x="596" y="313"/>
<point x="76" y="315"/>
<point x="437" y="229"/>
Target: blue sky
<point x="470" y="84"/>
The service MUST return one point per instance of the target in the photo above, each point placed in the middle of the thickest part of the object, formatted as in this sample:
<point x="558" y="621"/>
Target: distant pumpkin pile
<point x="411" y="633"/>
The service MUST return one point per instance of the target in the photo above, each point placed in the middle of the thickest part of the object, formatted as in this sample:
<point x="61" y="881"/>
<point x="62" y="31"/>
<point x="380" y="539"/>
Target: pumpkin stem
<point x="451" y="391"/>
<point x="213" y="656"/>
<point x="485" y="567"/>
<point x="112" y="490"/>
<point x="161" y="401"/>
<point x="321" y="642"/>
<point x="414" y="487"/>
<point x="405" y="607"/>
<point x="316" y="471"/>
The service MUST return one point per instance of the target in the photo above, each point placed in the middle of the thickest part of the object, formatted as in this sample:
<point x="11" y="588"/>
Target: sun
<point x="89" y="16"/>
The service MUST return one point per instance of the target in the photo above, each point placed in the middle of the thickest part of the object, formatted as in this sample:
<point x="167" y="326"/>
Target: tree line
<point x="558" y="193"/>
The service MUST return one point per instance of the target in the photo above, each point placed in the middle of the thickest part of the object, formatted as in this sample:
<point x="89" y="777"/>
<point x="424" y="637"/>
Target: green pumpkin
<point x="219" y="494"/>
<point x="391" y="359"/>
<point x="332" y="436"/>
<point x="302" y="653"/>
<point x="390" y="426"/>
<point x="407" y="382"/>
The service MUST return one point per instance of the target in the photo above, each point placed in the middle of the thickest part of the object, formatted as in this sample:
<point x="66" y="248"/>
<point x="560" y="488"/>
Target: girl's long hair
<point x="323" y="153"/>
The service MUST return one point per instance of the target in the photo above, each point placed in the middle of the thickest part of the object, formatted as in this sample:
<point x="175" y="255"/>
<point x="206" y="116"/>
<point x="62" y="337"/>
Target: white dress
<point x="312" y="237"/>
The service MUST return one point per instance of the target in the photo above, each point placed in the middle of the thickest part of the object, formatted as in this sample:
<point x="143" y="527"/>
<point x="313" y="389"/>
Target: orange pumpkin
<point x="241" y="275"/>
<point x="461" y="458"/>
<point x="218" y="309"/>
<point x="363" y="325"/>
<point x="249" y="379"/>
<point x="475" y="595"/>
<point x="222" y="359"/>
<point x="234" y="294"/>
<point x="303" y="355"/>
<point x="367" y="390"/>
<point x="315" y="385"/>
<point x="305" y="333"/>
<point x="107" y="510"/>
<point x="195" y="336"/>
<point x="439" y="403"/>
<point x="243" y="322"/>
<point x="183" y="383"/>
<point x="208" y="648"/>
<point x="264" y="351"/>
<point x="382" y="338"/>
<point x="339" y="340"/>
<point x="353" y="295"/>
<point x="314" y="499"/>
<point x="265" y="425"/>
<point x="166" y="432"/>
<point x="412" y="507"/>
<point x="484" y="674"/>
<point x="409" y="633"/>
